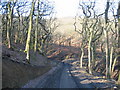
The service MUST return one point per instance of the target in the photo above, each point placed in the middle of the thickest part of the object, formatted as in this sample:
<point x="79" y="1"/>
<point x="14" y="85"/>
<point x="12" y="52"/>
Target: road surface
<point x="66" y="80"/>
<point x="60" y="79"/>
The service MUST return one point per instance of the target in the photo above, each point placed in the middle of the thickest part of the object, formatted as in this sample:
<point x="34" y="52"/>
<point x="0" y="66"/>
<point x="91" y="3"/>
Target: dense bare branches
<point x="38" y="33"/>
<point x="91" y="25"/>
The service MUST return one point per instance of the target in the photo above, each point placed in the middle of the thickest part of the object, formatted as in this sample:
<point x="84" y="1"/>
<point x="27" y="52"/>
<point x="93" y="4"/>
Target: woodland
<point x="30" y="28"/>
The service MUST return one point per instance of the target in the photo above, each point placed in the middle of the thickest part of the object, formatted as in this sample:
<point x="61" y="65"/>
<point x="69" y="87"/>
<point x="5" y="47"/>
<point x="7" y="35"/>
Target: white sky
<point x="68" y="8"/>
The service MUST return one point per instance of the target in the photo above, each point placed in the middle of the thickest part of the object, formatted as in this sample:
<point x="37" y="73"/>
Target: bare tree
<point x="107" y="39"/>
<point x="29" y="30"/>
<point x="91" y="31"/>
<point x="10" y="7"/>
<point x="118" y="15"/>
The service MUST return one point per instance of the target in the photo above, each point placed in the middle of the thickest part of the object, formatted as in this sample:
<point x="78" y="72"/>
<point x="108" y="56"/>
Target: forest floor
<point x="46" y="73"/>
<point x="16" y="71"/>
<point x="86" y="80"/>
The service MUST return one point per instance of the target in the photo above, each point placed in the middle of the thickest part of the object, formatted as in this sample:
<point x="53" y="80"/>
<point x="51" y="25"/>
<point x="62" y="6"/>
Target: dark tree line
<point x="28" y="22"/>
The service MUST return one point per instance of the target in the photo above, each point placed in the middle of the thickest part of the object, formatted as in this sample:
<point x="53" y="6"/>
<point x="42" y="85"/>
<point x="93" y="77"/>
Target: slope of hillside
<point x="16" y="71"/>
<point x="66" y="26"/>
<point x="16" y="74"/>
<point x="16" y="53"/>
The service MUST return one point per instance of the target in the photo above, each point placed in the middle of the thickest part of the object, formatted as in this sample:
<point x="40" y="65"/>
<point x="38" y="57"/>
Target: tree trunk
<point x="29" y="31"/>
<point x="35" y="44"/>
<point x="118" y="15"/>
<point x="118" y="12"/>
<point x="107" y="40"/>
<point x="9" y="24"/>
<point x="89" y="53"/>
<point x="36" y="31"/>
<point x="111" y="59"/>
<point x="119" y="78"/>
<point x="101" y="47"/>
<point x="107" y="54"/>
<point x="8" y="36"/>
<point x="81" y="58"/>
<point x="114" y="62"/>
<point x="17" y="31"/>
<point x="93" y="54"/>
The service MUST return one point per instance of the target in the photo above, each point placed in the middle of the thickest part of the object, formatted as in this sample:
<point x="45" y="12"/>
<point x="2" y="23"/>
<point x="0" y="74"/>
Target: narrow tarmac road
<point x="59" y="79"/>
<point x="66" y="80"/>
